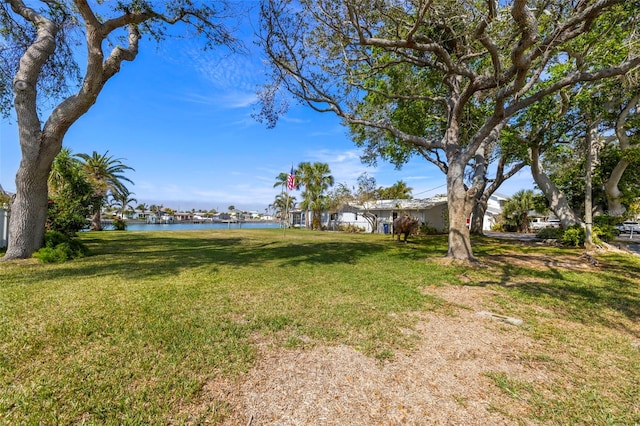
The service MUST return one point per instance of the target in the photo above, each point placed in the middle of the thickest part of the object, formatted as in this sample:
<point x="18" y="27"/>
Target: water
<point x="198" y="226"/>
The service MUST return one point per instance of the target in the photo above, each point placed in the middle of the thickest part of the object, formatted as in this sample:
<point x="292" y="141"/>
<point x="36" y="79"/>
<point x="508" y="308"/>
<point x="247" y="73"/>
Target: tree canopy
<point x="38" y="68"/>
<point x="440" y="78"/>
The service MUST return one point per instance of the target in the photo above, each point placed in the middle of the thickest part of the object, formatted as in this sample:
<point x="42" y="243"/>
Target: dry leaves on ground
<point x="441" y="382"/>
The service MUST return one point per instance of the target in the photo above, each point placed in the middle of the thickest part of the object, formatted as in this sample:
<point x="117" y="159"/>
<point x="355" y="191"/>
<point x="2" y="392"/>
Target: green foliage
<point x="498" y="227"/>
<point x="605" y="219"/>
<point x="351" y="228"/>
<point x="515" y="211"/>
<point x="4" y="198"/>
<point x="397" y="191"/>
<point x="59" y="248"/>
<point x="316" y="179"/>
<point x="72" y="197"/>
<point x="550" y="233"/>
<point x="605" y="233"/>
<point x="426" y="229"/>
<point x="573" y="236"/>
<point x="119" y="224"/>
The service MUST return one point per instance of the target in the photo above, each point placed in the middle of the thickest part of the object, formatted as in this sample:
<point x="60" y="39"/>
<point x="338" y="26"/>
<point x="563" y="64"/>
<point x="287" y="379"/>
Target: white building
<point x="379" y="214"/>
<point x="494" y="209"/>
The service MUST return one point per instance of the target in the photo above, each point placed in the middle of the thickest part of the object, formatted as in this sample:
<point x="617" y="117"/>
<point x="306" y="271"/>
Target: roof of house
<point x="411" y="204"/>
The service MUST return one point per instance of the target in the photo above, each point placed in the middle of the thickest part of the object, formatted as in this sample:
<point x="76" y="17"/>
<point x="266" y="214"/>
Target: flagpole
<point x="286" y="212"/>
<point x="290" y="185"/>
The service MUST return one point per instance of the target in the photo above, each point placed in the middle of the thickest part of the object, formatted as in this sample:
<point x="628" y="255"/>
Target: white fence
<point x="4" y="227"/>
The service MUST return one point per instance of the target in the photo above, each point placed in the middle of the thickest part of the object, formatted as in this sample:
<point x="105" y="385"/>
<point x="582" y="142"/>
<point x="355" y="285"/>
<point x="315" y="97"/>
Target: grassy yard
<point x="131" y="333"/>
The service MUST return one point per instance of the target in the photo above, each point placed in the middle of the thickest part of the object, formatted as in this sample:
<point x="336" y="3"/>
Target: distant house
<point x="4" y="219"/>
<point x="183" y="216"/>
<point x="494" y="210"/>
<point x="298" y="218"/>
<point x="378" y="215"/>
<point x="429" y="211"/>
<point x="4" y="226"/>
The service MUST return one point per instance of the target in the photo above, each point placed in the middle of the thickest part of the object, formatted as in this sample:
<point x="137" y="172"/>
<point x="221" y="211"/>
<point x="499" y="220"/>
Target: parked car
<point x="540" y="223"/>
<point x="628" y="226"/>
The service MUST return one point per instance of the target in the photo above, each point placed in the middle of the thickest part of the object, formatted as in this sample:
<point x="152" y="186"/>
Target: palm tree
<point x="106" y="175"/>
<point x="397" y="191"/>
<point x="122" y="201"/>
<point x="281" y="180"/>
<point x="63" y="164"/>
<point x="516" y="209"/>
<point x="316" y="179"/>
<point x="283" y="204"/>
<point x="142" y="207"/>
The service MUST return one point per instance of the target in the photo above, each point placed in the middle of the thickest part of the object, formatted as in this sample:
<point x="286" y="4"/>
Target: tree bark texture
<point x="557" y="200"/>
<point x="612" y="190"/>
<point x="29" y="208"/>
<point x="40" y="144"/>
<point x="459" y="206"/>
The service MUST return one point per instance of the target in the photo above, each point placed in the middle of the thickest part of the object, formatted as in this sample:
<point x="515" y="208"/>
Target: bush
<point x="54" y="238"/>
<point x="119" y="225"/>
<point x="351" y="228"/>
<point x="426" y="229"/>
<point x="498" y="227"/>
<point x="576" y="236"/>
<point x="605" y="219"/>
<point x="550" y="233"/>
<point x="573" y="236"/>
<point x="605" y="232"/>
<point x="50" y="255"/>
<point x="59" y="248"/>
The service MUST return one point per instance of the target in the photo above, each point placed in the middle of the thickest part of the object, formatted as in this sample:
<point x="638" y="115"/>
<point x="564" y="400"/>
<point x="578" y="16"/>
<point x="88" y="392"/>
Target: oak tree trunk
<point x="477" y="216"/>
<point x="460" y="206"/>
<point x="557" y="200"/>
<point x="28" y="211"/>
<point x="612" y="190"/>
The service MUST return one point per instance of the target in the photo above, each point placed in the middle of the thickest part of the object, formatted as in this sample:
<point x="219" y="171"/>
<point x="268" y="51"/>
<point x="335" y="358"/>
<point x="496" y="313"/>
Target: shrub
<point x="498" y="227"/>
<point x="550" y="233"/>
<point x="605" y="232"/>
<point x="426" y="229"/>
<point x="351" y="228"/>
<point x="574" y="236"/>
<point x="50" y="255"/>
<point x="119" y="225"/>
<point x="59" y="248"/>
<point x="54" y="238"/>
<point x="605" y="219"/>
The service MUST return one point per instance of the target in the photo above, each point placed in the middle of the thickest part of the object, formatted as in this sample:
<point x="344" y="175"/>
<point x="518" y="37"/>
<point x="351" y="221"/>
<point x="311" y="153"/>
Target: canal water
<point x="198" y="226"/>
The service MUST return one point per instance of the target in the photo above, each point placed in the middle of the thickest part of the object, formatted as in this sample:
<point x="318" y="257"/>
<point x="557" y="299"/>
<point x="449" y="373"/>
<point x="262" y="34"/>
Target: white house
<point x="4" y="219"/>
<point x="4" y="226"/>
<point x="494" y="209"/>
<point x="431" y="212"/>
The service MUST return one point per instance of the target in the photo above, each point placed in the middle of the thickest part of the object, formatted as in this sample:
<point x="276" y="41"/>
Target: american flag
<point x="291" y="180"/>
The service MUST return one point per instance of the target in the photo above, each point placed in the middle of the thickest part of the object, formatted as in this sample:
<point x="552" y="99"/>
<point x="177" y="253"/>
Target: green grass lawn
<point x="131" y="333"/>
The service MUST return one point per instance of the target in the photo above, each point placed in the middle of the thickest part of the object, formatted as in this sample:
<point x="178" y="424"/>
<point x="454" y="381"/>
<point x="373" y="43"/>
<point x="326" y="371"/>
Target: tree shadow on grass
<point x="573" y="287"/>
<point x="137" y="256"/>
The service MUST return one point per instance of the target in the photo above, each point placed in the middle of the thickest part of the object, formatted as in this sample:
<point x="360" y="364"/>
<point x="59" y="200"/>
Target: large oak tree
<point x="467" y="67"/>
<point x="37" y="61"/>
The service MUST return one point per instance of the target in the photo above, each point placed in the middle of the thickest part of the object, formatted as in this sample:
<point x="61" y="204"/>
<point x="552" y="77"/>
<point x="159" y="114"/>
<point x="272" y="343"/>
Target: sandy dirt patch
<point x="443" y="381"/>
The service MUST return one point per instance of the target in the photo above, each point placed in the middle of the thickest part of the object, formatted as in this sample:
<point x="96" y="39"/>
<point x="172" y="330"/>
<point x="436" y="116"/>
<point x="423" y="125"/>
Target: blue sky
<point x="182" y="119"/>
